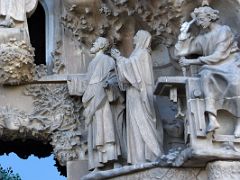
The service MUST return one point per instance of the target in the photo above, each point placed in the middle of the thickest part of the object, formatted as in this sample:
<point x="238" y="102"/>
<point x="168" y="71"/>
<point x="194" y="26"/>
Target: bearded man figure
<point x="103" y="141"/>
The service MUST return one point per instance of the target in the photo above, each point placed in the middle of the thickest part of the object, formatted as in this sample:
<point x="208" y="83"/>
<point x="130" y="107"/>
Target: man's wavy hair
<point x="206" y="10"/>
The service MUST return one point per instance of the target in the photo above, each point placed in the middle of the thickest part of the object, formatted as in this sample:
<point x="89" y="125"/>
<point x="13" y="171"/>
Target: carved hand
<point x="185" y="30"/>
<point x="115" y="53"/>
<point x="184" y="62"/>
<point x="185" y="27"/>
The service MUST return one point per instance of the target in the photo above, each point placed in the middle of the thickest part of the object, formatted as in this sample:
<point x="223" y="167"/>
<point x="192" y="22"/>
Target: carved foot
<point x="237" y="130"/>
<point x="212" y="126"/>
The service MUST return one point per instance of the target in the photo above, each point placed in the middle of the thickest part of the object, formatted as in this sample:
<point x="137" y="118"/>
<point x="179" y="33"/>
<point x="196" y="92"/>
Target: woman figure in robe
<point x="136" y="74"/>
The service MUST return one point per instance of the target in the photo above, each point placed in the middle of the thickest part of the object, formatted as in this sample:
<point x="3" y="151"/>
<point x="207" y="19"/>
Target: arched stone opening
<point x="37" y="32"/>
<point x="26" y="148"/>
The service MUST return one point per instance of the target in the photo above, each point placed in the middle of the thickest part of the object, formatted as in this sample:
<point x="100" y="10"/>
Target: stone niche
<point x="42" y="104"/>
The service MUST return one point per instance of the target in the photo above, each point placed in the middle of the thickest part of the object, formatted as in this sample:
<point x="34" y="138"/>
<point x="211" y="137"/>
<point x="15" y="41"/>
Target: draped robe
<point x="220" y="74"/>
<point x="17" y="9"/>
<point x="143" y="142"/>
<point x="103" y="144"/>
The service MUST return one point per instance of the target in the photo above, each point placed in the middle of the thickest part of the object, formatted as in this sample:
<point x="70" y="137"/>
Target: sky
<point x="32" y="168"/>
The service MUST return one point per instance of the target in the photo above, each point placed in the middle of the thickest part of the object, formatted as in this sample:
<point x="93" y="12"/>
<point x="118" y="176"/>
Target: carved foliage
<point x="109" y="17"/>
<point x="16" y="62"/>
<point x="12" y="122"/>
<point x="56" y="118"/>
<point x="58" y="65"/>
<point x="40" y="71"/>
<point x="59" y="115"/>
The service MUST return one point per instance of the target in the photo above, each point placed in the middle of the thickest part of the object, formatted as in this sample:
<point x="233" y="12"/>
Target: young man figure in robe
<point x="103" y="139"/>
<point x="136" y="74"/>
<point x="220" y="59"/>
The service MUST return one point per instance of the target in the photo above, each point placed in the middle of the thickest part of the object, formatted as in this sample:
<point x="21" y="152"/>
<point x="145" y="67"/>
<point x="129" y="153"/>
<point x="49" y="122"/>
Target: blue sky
<point x="32" y="168"/>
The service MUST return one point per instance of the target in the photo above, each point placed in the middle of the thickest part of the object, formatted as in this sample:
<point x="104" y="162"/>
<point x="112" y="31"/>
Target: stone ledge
<point x="167" y="174"/>
<point x="217" y="170"/>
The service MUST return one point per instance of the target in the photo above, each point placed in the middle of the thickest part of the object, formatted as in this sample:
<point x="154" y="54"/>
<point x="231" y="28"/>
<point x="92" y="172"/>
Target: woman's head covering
<point x="143" y="39"/>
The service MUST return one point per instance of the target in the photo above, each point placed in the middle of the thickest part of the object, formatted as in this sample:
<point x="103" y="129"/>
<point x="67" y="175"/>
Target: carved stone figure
<point x="103" y="141"/>
<point x="219" y="58"/>
<point x="17" y="54"/>
<point x="136" y="75"/>
<point x="13" y="16"/>
<point x="15" y="11"/>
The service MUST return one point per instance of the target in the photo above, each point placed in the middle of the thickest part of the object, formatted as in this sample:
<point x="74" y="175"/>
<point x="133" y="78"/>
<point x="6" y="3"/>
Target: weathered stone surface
<point x="55" y="118"/>
<point x="58" y="115"/>
<point x="190" y="133"/>
<point x="223" y="170"/>
<point x="76" y="169"/>
<point x="16" y="62"/>
<point x="166" y="174"/>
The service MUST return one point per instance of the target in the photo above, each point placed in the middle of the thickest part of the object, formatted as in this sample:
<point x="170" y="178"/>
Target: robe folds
<point x="17" y="9"/>
<point x="143" y="141"/>
<point x="220" y="74"/>
<point x="103" y="143"/>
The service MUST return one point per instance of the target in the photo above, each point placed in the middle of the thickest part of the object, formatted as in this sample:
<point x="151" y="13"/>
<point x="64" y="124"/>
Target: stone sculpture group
<point x="219" y="57"/>
<point x="138" y="139"/>
<point x="108" y="140"/>
<point x="117" y="124"/>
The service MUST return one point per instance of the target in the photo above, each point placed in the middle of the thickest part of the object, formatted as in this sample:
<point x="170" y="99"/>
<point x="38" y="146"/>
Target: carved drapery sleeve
<point x="222" y="47"/>
<point x="128" y="70"/>
<point x="189" y="46"/>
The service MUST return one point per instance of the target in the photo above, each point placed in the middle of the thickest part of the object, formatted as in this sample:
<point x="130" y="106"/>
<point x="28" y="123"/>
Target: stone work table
<point x="205" y="147"/>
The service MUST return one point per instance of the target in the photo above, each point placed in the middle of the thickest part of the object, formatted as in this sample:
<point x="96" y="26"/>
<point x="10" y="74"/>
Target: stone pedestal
<point x="76" y="169"/>
<point x="206" y="147"/>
